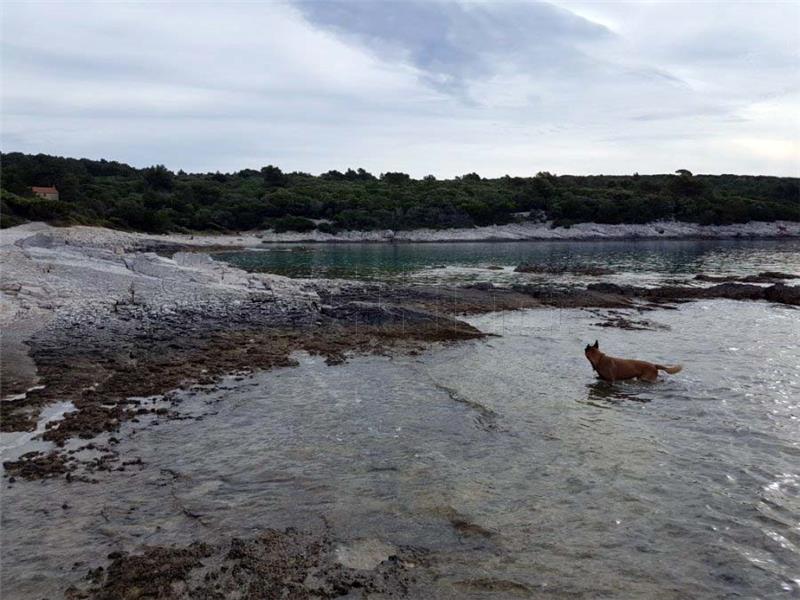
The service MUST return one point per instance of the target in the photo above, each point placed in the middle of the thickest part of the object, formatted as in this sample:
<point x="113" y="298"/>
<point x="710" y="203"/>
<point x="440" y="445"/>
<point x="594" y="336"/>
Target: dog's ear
<point x="596" y="344"/>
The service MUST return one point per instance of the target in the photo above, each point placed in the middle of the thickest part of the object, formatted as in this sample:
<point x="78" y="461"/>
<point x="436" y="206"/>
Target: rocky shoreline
<point x="98" y="318"/>
<point x="114" y="331"/>
<point x="537" y="231"/>
<point x="97" y="237"/>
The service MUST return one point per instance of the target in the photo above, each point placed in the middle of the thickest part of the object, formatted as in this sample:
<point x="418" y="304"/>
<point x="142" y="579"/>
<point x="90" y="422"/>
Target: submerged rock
<point x="274" y="564"/>
<point x="364" y="555"/>
<point x="763" y="277"/>
<point x="630" y="324"/>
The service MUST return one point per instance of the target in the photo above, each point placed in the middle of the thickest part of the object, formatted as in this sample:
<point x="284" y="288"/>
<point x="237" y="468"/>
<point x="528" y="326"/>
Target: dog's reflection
<point x="613" y="393"/>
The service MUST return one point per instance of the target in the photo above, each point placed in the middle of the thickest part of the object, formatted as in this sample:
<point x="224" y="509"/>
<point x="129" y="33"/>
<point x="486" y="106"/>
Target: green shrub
<point x="293" y="224"/>
<point x="328" y="228"/>
<point x="155" y="199"/>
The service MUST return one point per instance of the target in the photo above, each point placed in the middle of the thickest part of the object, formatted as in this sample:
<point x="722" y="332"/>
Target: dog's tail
<point x="671" y="370"/>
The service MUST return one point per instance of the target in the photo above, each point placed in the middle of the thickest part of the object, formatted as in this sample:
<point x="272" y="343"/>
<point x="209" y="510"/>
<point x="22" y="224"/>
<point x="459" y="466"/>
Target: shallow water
<point x="523" y="475"/>
<point x="442" y="262"/>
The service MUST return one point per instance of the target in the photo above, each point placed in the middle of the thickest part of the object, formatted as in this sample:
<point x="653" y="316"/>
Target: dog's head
<point x="592" y="351"/>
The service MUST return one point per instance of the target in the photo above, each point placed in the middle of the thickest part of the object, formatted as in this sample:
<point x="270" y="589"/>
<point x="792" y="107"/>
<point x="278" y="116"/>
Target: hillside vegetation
<point x="155" y="199"/>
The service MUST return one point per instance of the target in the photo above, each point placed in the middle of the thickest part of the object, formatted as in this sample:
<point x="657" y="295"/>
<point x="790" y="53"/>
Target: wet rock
<point x="370" y="313"/>
<point x="783" y="294"/>
<point x="153" y="574"/>
<point x="89" y="420"/>
<point x="778" y="275"/>
<point x="38" y="465"/>
<point x="598" y="295"/>
<point x="629" y="324"/>
<point x="612" y="288"/>
<point x="763" y="277"/>
<point x="715" y="278"/>
<point x="483" y="286"/>
<point x="780" y="293"/>
<point x="19" y="415"/>
<point x="275" y="564"/>
<point x="731" y="291"/>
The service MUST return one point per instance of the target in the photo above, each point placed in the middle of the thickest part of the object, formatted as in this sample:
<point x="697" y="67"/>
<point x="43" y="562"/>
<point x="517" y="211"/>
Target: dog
<point x="613" y="369"/>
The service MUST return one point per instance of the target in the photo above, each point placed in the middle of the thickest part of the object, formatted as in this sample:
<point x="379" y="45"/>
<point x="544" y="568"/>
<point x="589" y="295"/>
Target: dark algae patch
<point x="288" y="564"/>
<point x="39" y="465"/>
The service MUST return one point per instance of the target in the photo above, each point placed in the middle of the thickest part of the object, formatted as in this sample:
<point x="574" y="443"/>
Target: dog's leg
<point x="650" y="374"/>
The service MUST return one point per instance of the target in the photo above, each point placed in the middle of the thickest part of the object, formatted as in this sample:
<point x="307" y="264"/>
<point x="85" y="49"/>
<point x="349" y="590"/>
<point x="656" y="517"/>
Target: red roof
<point x="44" y="190"/>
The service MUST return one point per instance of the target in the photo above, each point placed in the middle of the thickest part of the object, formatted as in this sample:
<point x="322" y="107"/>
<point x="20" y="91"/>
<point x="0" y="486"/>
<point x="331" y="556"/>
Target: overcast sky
<point x="422" y="87"/>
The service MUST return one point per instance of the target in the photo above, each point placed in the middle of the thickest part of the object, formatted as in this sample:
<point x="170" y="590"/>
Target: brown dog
<point x="613" y="369"/>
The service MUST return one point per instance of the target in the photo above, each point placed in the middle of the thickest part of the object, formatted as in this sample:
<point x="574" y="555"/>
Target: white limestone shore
<point x="45" y="269"/>
<point x="543" y="231"/>
<point x="123" y="241"/>
<point x="83" y="274"/>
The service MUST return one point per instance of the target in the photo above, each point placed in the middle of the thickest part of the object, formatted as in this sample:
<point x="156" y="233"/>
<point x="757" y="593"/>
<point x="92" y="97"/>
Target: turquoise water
<point x="443" y="261"/>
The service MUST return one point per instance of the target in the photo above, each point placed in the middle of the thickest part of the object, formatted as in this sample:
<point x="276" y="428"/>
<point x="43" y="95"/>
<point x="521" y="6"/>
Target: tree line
<point x="155" y="199"/>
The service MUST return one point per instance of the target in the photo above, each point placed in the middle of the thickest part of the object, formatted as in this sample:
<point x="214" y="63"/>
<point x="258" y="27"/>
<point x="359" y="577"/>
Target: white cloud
<point x="582" y="87"/>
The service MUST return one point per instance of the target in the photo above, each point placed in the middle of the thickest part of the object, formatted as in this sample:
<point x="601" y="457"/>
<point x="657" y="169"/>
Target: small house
<point x="48" y="193"/>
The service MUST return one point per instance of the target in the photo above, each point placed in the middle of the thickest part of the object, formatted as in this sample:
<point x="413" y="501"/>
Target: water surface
<point x="655" y="260"/>
<point x="518" y="471"/>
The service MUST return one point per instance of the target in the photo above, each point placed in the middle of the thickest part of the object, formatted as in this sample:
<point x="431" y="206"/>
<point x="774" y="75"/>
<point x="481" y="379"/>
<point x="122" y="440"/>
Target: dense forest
<point x="154" y="199"/>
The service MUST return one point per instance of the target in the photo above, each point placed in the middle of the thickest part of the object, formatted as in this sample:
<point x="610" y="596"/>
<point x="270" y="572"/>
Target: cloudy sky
<point x="423" y="87"/>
